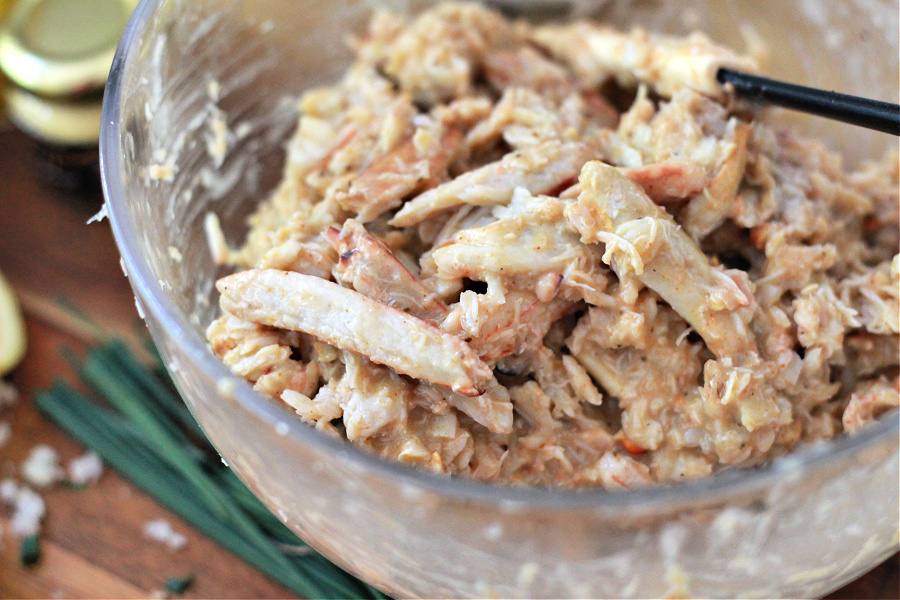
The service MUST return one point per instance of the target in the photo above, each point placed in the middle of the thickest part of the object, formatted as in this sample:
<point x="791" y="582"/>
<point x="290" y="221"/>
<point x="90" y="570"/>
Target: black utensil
<point x="873" y="114"/>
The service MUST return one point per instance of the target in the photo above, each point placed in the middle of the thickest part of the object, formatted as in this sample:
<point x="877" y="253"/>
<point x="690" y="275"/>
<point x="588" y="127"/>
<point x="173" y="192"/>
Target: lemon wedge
<point x="12" y="329"/>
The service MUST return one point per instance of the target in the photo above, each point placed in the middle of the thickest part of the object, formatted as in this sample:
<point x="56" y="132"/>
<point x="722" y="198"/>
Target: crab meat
<point x="464" y="113"/>
<point x="492" y="410"/>
<point x="868" y="402"/>
<point x="752" y="303"/>
<point x="525" y="67"/>
<point x="351" y="321"/>
<point x="303" y="254"/>
<point x="870" y="353"/>
<point x="555" y="376"/>
<point x="641" y="238"/>
<point x="504" y="327"/>
<point x="437" y="57"/>
<point x="617" y="471"/>
<point x="875" y="295"/>
<point x="532" y="239"/>
<point x="637" y="359"/>
<point x="372" y="397"/>
<point x="710" y="209"/>
<point x="538" y="169"/>
<point x="262" y="355"/>
<point x="522" y="118"/>
<point x="581" y="382"/>
<point x="370" y="268"/>
<point x="417" y="164"/>
<point x="665" y="183"/>
<point x="671" y="181"/>
<point x="597" y="53"/>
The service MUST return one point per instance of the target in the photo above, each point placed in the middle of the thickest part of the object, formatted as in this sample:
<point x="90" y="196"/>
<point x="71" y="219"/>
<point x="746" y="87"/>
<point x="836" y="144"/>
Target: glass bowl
<point x="801" y="526"/>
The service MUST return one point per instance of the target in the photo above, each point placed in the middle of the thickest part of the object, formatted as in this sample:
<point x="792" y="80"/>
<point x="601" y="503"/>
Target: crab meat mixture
<point x="563" y="256"/>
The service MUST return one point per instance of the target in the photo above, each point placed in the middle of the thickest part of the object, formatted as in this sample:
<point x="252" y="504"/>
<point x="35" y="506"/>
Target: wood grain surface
<point x="93" y="542"/>
<point x="94" y="546"/>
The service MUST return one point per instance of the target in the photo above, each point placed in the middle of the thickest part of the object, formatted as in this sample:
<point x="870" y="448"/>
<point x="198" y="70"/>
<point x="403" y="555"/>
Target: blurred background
<point x="70" y="525"/>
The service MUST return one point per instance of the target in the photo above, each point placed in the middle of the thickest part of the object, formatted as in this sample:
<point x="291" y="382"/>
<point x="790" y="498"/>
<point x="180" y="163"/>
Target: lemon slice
<point x="12" y="329"/>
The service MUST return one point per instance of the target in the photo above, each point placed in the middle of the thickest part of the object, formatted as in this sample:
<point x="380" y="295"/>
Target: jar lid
<point x="71" y="123"/>
<point x="62" y="48"/>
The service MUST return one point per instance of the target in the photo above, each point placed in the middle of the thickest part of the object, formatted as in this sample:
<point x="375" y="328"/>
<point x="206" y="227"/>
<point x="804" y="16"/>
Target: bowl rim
<point x="151" y="297"/>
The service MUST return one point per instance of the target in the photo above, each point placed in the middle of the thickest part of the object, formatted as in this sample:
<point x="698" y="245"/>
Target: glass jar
<point x="56" y="55"/>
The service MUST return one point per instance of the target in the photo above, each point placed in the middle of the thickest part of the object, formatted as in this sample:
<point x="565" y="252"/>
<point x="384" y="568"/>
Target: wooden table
<point x="93" y="539"/>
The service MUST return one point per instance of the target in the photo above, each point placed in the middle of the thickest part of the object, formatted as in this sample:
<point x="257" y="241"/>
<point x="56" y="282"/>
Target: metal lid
<point x="62" y="48"/>
<point x="58" y="122"/>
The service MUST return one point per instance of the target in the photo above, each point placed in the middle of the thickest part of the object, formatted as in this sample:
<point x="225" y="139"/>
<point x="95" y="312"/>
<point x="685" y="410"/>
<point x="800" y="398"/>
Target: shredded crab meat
<point x="524" y="117"/>
<point x="438" y="56"/>
<point x="525" y="67"/>
<point x="351" y="321"/>
<point x="560" y="255"/>
<point x="370" y="268"/>
<point x="529" y="238"/>
<point x="418" y="163"/>
<point x="492" y="410"/>
<point x="616" y="471"/>
<point x="668" y="64"/>
<point x="538" y="169"/>
<point x="868" y="402"/>
<point x="643" y="238"/>
<point x="669" y="182"/>
<point x="709" y="209"/>
<point x="303" y="254"/>
<point x="508" y="328"/>
<point x="263" y="355"/>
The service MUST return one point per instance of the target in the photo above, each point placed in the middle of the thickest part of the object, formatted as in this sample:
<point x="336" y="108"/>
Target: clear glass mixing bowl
<point x="801" y="526"/>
